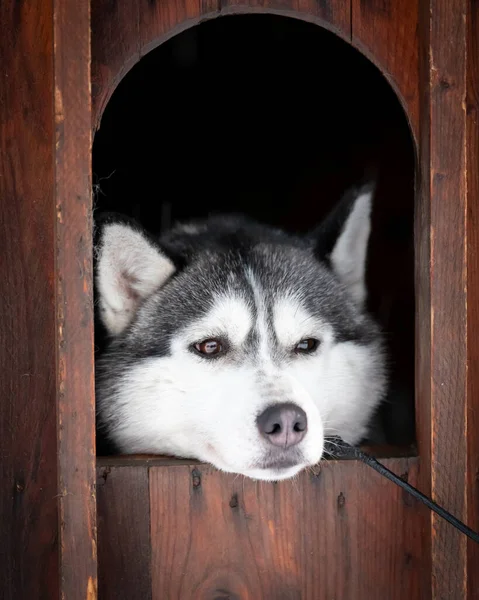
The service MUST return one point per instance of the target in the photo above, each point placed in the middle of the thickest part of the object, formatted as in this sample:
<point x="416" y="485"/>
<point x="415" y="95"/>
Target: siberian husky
<point x="238" y="344"/>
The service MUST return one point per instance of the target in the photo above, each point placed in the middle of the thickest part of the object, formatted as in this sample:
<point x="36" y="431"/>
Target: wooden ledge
<point x="152" y="460"/>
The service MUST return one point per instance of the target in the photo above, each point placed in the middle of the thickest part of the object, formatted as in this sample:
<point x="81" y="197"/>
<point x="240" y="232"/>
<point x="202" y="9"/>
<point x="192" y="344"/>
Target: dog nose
<point x="283" y="425"/>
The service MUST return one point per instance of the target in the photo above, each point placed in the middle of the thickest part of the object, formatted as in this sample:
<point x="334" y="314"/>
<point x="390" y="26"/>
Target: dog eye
<point x="209" y="347"/>
<point x="307" y="345"/>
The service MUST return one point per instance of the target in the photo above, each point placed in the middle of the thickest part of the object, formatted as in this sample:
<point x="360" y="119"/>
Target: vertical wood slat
<point x="447" y="180"/>
<point x="74" y="306"/>
<point x="47" y="504"/>
<point x="451" y="196"/>
<point x="346" y="533"/>
<point x="124" y="533"/>
<point x="386" y="32"/>
<point x="28" y="466"/>
<point x="423" y="324"/>
<point x="472" y="415"/>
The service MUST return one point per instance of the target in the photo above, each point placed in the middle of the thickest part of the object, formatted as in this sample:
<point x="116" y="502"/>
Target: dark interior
<point x="275" y="118"/>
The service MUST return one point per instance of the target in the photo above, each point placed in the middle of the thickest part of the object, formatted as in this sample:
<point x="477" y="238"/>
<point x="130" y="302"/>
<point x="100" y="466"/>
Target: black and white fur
<point x="260" y="292"/>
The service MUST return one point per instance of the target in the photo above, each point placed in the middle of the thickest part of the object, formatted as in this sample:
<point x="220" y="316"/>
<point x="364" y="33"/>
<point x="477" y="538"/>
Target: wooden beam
<point x="450" y="199"/>
<point x="74" y="300"/>
<point x="47" y="500"/>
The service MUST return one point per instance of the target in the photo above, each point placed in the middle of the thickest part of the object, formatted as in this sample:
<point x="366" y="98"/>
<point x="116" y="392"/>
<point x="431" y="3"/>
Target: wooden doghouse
<point x="140" y="528"/>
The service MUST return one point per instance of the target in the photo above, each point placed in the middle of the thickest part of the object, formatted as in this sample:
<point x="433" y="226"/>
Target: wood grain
<point x="28" y="465"/>
<point x="472" y="123"/>
<point x="423" y="321"/>
<point x="386" y="32"/>
<point x="161" y="20"/>
<point x="123" y="533"/>
<point x="47" y="506"/>
<point x="74" y="301"/>
<point x="343" y="533"/>
<point x="445" y="176"/>
<point x="448" y="289"/>
<point x="334" y="15"/>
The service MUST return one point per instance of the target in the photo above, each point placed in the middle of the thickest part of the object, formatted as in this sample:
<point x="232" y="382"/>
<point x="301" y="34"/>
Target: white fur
<point x="293" y="323"/>
<point x="130" y="268"/>
<point x="348" y="258"/>
<point x="340" y="377"/>
<point x="261" y="324"/>
<point x="230" y="316"/>
<point x="209" y="407"/>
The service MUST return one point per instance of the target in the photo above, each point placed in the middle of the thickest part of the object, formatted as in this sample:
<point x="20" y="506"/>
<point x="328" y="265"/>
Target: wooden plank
<point x="472" y="107"/>
<point x="47" y="508"/>
<point x="386" y="32"/>
<point x="343" y="533"/>
<point x="123" y="533"/>
<point x="74" y="302"/>
<point x="423" y="321"/>
<point x="448" y="292"/>
<point x="451" y="291"/>
<point x="28" y="468"/>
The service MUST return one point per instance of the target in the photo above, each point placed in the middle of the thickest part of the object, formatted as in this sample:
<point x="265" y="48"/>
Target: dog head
<point x="237" y="344"/>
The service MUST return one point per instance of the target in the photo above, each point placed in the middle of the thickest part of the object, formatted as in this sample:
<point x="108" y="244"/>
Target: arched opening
<point x="275" y="118"/>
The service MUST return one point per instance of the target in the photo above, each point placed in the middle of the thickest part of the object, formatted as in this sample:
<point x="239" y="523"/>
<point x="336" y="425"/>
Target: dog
<point x="238" y="344"/>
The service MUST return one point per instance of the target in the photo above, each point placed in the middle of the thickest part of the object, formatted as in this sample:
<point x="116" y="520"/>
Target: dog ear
<point x="341" y="241"/>
<point x="130" y="267"/>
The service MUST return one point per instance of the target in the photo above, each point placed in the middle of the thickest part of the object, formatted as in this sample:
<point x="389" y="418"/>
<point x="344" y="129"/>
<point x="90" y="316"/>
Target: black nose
<point x="283" y="425"/>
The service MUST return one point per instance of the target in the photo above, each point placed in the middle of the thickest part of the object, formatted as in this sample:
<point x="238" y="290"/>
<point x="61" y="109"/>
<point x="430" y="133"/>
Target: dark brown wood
<point x="161" y="20"/>
<point x="334" y="15"/>
<point x="47" y="506"/>
<point x="344" y="532"/>
<point x="74" y="303"/>
<point x="123" y="533"/>
<point x="453" y="289"/>
<point x="472" y="150"/>
<point x="386" y="32"/>
<point x="423" y="324"/>
<point x="28" y="464"/>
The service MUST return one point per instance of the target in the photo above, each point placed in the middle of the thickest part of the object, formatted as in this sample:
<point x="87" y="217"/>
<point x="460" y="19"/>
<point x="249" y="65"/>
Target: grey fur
<point x="215" y="255"/>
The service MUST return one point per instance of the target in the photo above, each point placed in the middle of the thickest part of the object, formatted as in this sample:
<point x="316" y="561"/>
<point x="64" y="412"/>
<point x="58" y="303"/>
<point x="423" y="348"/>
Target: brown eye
<point x="307" y="345"/>
<point x="209" y="347"/>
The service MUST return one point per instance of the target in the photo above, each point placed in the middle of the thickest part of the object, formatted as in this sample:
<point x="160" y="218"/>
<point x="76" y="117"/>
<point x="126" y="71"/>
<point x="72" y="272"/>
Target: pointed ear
<point x="342" y="240"/>
<point x="129" y="269"/>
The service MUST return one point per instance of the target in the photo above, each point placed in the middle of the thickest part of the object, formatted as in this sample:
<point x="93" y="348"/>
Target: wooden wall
<point x="178" y="530"/>
<point x="47" y="420"/>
